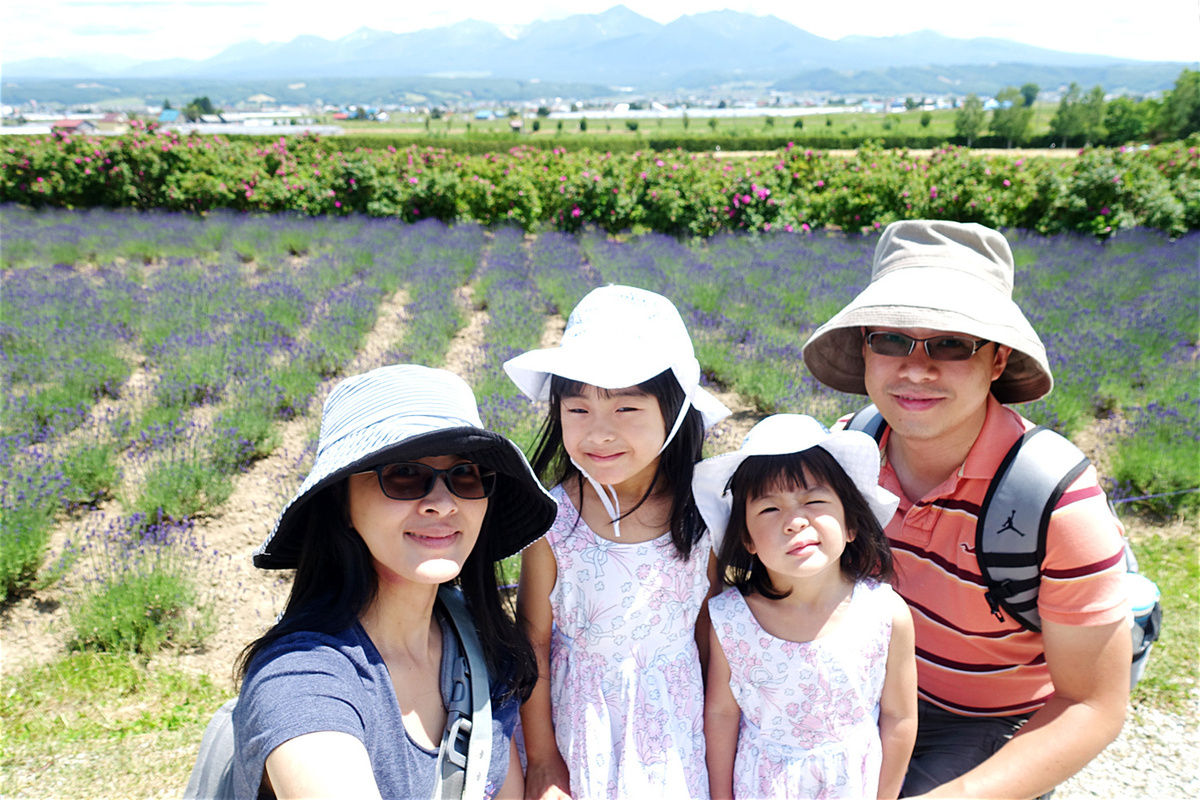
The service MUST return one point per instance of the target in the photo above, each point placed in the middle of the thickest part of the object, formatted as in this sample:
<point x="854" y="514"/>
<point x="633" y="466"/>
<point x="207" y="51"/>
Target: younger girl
<point x="812" y="678"/>
<point x="610" y="598"/>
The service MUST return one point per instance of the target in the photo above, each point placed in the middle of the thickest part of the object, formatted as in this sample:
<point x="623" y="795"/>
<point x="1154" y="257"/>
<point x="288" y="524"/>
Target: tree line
<point x="1087" y="118"/>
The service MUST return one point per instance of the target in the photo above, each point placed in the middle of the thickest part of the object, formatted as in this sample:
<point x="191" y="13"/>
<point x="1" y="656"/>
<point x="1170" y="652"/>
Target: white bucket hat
<point x="402" y="413"/>
<point x="782" y="434"/>
<point x="620" y="336"/>
<point x="945" y="276"/>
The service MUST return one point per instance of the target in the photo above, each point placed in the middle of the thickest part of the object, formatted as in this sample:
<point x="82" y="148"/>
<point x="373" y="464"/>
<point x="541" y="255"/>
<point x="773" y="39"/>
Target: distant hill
<point x="622" y="48"/>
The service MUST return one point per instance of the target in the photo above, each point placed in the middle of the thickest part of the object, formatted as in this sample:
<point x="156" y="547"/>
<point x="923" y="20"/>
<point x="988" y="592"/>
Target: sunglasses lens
<point x="470" y="482"/>
<point x="886" y="343"/>
<point x="412" y="481"/>
<point x="950" y="348"/>
<point x="406" y="481"/>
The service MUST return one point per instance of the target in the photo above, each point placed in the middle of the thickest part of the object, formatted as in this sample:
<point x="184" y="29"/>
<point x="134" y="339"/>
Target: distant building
<point x="74" y="126"/>
<point x="170" y="116"/>
<point x="114" y="123"/>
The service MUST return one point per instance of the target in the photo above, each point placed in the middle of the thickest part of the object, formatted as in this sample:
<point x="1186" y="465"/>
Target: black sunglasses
<point x="946" y="347"/>
<point x="411" y="480"/>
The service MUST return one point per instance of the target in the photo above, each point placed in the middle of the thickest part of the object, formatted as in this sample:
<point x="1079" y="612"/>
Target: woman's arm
<point x="546" y="774"/>
<point x="721" y="718"/>
<point x="898" y="703"/>
<point x="326" y="764"/>
<point x="514" y="784"/>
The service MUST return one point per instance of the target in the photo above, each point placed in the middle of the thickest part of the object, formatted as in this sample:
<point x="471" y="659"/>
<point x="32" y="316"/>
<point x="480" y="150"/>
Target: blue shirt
<point x="311" y="682"/>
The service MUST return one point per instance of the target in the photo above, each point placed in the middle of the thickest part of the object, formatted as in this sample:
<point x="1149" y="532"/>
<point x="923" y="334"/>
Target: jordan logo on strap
<point x="1008" y="524"/>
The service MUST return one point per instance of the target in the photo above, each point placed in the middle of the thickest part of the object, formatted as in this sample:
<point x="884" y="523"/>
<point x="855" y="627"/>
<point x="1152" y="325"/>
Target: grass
<point x="60" y="722"/>
<point x="1173" y="673"/>
<point x="941" y="123"/>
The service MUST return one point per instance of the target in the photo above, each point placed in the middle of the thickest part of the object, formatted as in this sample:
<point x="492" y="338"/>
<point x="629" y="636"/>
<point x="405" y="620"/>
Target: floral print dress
<point x="625" y="686"/>
<point x="810" y="710"/>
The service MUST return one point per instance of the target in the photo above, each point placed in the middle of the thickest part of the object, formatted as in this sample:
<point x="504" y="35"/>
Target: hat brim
<point x="519" y="511"/>
<point x="532" y="373"/>
<point x="833" y="354"/>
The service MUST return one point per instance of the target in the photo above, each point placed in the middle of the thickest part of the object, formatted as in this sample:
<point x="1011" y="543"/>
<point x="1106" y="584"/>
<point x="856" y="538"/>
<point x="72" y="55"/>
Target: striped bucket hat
<point x="403" y="413"/>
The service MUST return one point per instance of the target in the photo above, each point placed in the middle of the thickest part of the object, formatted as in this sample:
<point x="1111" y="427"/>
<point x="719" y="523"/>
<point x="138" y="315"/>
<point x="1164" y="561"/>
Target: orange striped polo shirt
<point x="968" y="661"/>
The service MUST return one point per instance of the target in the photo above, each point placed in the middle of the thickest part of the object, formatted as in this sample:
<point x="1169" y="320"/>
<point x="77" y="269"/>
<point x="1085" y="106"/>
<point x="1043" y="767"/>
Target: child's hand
<point x="547" y="779"/>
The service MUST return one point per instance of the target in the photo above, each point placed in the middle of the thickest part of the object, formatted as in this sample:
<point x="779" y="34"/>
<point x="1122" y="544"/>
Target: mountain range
<point x="615" y="48"/>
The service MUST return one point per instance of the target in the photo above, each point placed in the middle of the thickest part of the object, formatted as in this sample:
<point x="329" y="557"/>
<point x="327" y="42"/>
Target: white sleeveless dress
<point x="810" y="710"/>
<point x="625" y="686"/>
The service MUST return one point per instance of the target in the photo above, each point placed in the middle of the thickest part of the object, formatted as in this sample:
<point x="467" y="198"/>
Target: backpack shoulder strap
<point x="869" y="421"/>
<point x="466" y="750"/>
<point x="1010" y="536"/>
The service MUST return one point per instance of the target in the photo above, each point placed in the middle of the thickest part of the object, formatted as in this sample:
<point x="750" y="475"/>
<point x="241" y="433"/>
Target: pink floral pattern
<point x="810" y="710"/>
<point x="625" y="685"/>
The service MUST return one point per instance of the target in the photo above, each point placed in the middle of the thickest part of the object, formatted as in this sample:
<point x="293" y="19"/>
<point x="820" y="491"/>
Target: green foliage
<point x="1012" y="117"/>
<point x="968" y="122"/>
<point x="141" y="593"/>
<point x="696" y="195"/>
<point x="1181" y="108"/>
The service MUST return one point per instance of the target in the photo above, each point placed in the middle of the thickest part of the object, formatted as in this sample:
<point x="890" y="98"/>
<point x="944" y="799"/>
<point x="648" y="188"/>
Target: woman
<point x="347" y="693"/>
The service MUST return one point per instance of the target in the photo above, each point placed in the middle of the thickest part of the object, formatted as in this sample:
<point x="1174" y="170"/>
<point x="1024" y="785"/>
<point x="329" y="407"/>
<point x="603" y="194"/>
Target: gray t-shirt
<point x="312" y="682"/>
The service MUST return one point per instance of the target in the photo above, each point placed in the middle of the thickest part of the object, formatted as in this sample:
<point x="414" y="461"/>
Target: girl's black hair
<point x="552" y="464"/>
<point x="868" y="555"/>
<point x="336" y="581"/>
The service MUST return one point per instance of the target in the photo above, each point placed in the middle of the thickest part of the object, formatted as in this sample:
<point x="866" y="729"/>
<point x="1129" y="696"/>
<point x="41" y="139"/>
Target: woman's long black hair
<point x="552" y="464"/>
<point x="336" y="581"/>
<point x="867" y="555"/>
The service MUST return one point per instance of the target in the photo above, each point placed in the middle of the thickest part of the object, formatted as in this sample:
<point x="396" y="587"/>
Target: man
<point x="937" y="343"/>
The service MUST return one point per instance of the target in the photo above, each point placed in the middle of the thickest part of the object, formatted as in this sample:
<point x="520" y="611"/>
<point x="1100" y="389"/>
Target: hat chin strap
<point x="613" y="505"/>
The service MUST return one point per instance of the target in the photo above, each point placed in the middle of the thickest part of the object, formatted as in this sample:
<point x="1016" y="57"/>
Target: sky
<point x="1159" y="30"/>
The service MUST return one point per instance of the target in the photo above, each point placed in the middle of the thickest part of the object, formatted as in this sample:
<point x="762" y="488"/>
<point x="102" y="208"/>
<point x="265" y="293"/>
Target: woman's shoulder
<point x="302" y="654"/>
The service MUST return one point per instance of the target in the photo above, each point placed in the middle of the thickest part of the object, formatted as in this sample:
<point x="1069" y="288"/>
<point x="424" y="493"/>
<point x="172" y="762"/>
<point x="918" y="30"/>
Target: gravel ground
<point x="1157" y="755"/>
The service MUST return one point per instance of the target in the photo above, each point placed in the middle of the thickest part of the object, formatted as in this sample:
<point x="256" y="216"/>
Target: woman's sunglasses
<point x="946" y="347"/>
<point x="411" y="480"/>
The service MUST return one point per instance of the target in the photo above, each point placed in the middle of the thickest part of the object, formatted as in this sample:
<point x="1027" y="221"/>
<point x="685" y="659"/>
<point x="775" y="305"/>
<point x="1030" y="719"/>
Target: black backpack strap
<point x="869" y="421"/>
<point x="466" y="750"/>
<point x="1010" y="537"/>
<point x="212" y="776"/>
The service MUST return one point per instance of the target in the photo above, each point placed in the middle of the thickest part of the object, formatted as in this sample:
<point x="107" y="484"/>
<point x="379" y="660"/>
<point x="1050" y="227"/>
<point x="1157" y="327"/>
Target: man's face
<point x="928" y="400"/>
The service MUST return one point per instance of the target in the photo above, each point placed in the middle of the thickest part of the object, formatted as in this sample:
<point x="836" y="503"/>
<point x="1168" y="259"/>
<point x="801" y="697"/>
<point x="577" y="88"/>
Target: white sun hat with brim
<point x="783" y="434"/>
<point x="617" y="337"/>
<point x="942" y="276"/>
<point x="403" y="413"/>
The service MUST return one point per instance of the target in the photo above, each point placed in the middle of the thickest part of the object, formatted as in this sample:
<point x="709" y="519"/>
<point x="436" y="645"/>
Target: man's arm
<point x="1090" y="670"/>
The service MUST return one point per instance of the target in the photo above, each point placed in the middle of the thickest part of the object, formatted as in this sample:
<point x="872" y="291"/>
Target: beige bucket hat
<point x="941" y="275"/>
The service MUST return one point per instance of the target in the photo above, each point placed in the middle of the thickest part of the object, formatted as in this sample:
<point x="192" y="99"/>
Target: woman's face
<point x="421" y="541"/>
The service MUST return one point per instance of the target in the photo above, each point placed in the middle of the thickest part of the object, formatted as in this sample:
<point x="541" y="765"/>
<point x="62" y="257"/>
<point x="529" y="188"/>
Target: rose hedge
<point x="680" y="193"/>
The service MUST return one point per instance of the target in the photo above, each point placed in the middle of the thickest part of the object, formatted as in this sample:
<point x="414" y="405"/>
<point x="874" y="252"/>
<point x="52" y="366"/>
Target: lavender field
<point x="151" y="361"/>
<point x="230" y="323"/>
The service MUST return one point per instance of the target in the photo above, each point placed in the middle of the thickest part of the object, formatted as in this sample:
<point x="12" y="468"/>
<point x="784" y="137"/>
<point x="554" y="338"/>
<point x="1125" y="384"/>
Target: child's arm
<point x="546" y="774"/>
<point x="898" y="703"/>
<point x="721" y="718"/>
<point x="703" y="627"/>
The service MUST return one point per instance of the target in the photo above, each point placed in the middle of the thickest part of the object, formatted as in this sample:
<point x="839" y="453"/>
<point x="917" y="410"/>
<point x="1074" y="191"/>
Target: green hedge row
<point x="676" y="192"/>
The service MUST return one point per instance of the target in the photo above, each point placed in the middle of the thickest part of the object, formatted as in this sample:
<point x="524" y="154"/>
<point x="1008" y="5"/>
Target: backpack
<point x="1031" y="479"/>
<point x="465" y="752"/>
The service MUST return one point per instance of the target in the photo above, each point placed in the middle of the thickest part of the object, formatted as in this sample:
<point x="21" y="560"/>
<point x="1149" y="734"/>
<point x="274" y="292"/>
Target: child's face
<point x="614" y="435"/>
<point x="797" y="532"/>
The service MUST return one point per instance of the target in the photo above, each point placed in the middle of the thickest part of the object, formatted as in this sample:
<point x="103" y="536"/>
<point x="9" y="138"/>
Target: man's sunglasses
<point x="411" y="480"/>
<point x="946" y="347"/>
